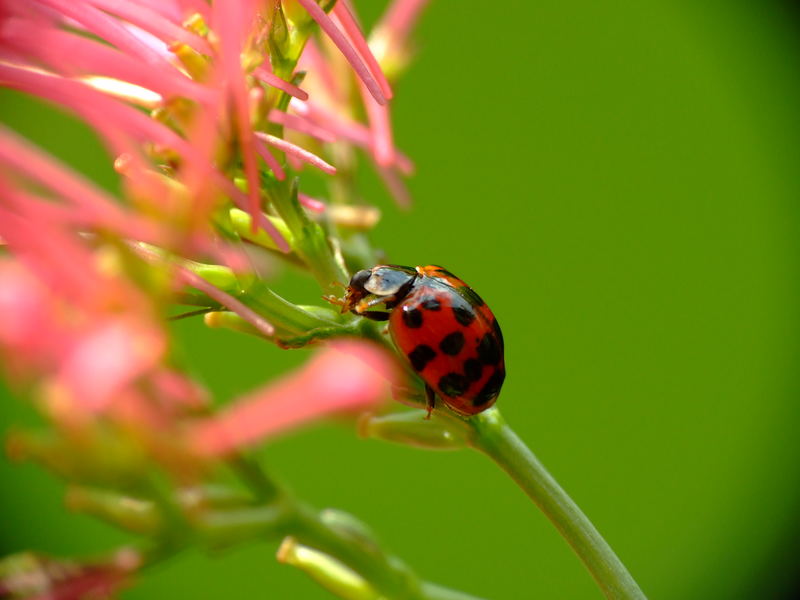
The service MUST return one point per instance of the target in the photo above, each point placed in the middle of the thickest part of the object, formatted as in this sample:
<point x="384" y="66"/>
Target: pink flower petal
<point x="400" y="17"/>
<point x="26" y="312"/>
<point x="153" y="22"/>
<point x="338" y="38"/>
<point x="88" y="57"/>
<point x="227" y="300"/>
<point x="57" y="259"/>
<point x="347" y="129"/>
<point x="297" y="152"/>
<point x="353" y="31"/>
<point x="346" y="376"/>
<point x="230" y="19"/>
<point x="168" y="10"/>
<point x="271" y="161"/>
<point x="107" y="115"/>
<point x="382" y="144"/>
<point x="310" y="203"/>
<point x="319" y="68"/>
<point x="396" y="187"/>
<point x="91" y="202"/>
<point x="106" y="27"/>
<point x="177" y="390"/>
<point x="108" y="358"/>
<point x="278" y="83"/>
<point x="301" y="125"/>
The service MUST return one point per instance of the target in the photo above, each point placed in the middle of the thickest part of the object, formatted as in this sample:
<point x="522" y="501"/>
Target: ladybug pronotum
<point x="447" y="333"/>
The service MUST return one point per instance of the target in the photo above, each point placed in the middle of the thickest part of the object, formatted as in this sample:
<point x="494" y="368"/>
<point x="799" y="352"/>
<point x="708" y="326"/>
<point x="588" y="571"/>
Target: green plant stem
<point x="388" y="575"/>
<point x="352" y="546"/>
<point x="496" y="439"/>
<point x="431" y="591"/>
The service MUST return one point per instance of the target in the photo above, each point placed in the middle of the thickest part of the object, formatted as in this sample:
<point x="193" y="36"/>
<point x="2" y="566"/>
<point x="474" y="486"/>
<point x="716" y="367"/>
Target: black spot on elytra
<point x="489" y="350"/>
<point x="464" y="315"/>
<point x="421" y="356"/>
<point x="473" y="369"/>
<point x="430" y="303"/>
<point x="468" y="293"/>
<point x="490" y="389"/>
<point x="452" y="343"/>
<point x="412" y="317"/>
<point x="453" y="384"/>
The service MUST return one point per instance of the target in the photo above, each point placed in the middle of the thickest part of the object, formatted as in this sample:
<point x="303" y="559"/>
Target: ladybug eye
<point x="385" y="282"/>
<point x="359" y="280"/>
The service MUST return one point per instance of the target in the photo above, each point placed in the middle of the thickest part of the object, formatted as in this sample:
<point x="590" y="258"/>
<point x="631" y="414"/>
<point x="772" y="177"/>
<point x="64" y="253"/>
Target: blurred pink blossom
<point x="39" y="577"/>
<point x="176" y="91"/>
<point x="345" y="376"/>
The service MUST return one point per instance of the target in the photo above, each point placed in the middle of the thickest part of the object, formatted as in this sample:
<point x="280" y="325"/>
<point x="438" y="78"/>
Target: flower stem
<point x="388" y="575"/>
<point x="496" y="439"/>
<point x="343" y="538"/>
<point x="431" y="591"/>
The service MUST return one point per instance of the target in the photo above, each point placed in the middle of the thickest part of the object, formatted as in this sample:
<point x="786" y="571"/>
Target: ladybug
<point x="444" y="329"/>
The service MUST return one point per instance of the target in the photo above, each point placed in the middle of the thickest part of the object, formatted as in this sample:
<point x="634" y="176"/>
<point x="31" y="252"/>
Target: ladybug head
<point x="380" y="281"/>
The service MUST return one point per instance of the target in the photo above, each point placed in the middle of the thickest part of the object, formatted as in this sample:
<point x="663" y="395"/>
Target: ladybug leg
<point x="333" y="300"/>
<point x="375" y="315"/>
<point x="430" y="400"/>
<point x="368" y="303"/>
<point x="362" y="308"/>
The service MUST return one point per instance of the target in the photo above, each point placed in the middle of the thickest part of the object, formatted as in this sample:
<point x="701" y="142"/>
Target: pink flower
<point x="346" y="376"/>
<point x="194" y="101"/>
<point x="390" y="37"/>
<point x="38" y="577"/>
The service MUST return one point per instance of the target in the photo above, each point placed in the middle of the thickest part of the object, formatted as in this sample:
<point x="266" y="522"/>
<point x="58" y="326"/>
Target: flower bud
<point x="230" y="320"/>
<point x="132" y="514"/>
<point x="347" y="525"/>
<point x="326" y="571"/>
<point x="242" y="224"/>
<point x="412" y="429"/>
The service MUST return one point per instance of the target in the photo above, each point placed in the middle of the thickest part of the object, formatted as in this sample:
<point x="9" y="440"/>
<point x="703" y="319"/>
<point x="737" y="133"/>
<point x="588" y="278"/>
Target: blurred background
<point x="619" y="181"/>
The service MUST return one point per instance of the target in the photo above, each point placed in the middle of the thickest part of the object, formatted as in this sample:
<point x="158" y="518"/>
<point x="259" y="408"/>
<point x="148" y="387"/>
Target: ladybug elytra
<point x="447" y="333"/>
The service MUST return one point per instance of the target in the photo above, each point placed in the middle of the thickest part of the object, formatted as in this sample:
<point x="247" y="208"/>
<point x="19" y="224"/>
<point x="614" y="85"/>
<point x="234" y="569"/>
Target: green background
<point x="618" y="180"/>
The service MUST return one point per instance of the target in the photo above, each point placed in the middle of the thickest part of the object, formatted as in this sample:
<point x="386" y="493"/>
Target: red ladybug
<point x="447" y="333"/>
